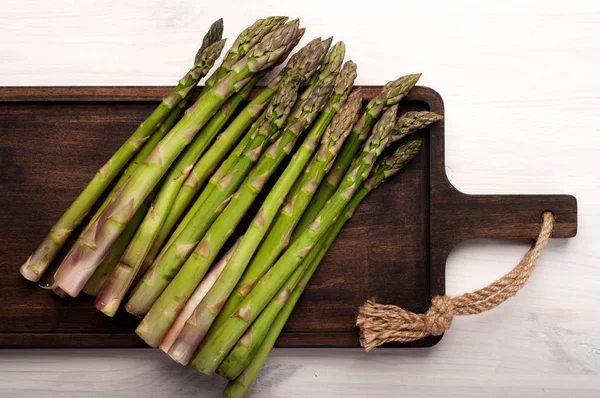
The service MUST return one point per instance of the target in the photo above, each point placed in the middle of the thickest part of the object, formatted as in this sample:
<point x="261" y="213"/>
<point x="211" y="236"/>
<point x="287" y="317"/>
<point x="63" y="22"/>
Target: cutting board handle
<point x="509" y="216"/>
<point x="457" y="217"/>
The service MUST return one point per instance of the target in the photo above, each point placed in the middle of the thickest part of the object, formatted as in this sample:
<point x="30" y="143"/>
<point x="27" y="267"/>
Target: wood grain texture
<point x="521" y="89"/>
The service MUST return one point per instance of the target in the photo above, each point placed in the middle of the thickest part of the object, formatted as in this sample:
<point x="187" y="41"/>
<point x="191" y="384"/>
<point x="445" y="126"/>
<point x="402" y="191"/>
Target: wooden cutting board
<point x="53" y="139"/>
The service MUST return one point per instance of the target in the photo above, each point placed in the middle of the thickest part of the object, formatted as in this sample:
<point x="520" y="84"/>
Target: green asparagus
<point x="168" y="264"/>
<point x="252" y="350"/>
<point x="213" y="350"/>
<point x="391" y="94"/>
<point x="204" y="315"/>
<point x="279" y="235"/>
<point x="39" y="261"/>
<point x="162" y="314"/>
<point x="309" y="58"/>
<point x="109" y="299"/>
<point x="88" y="252"/>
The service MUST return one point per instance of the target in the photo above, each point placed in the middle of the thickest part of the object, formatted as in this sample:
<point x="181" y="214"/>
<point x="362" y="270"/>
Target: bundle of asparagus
<point x="185" y="184"/>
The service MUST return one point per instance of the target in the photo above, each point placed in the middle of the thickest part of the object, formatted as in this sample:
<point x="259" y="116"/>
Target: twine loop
<point x="382" y="323"/>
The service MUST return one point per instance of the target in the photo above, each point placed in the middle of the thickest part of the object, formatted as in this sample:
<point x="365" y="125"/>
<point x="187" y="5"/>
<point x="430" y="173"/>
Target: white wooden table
<point x="521" y="86"/>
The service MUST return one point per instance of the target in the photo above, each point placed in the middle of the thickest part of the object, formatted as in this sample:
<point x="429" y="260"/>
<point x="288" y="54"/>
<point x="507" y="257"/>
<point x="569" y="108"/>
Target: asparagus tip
<point x="215" y="32"/>
<point x="412" y="121"/>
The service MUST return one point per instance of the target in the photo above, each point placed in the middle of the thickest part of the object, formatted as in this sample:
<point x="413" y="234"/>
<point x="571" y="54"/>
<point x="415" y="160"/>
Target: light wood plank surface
<point x="521" y="85"/>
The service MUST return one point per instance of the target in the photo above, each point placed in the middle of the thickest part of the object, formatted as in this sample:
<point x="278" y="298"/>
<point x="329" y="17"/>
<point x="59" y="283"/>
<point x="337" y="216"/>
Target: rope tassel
<point x="381" y="323"/>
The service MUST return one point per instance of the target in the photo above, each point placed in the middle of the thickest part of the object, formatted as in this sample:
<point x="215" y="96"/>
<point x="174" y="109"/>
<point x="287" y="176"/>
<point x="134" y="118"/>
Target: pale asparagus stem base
<point x="39" y="261"/>
<point x="283" y="226"/>
<point x="207" y="282"/>
<point x="169" y="263"/>
<point x="97" y="280"/>
<point x="213" y="350"/>
<point x="116" y="251"/>
<point x="390" y="95"/>
<point x="87" y="254"/>
<point x="259" y="351"/>
<point x="212" y="242"/>
<point x="110" y="297"/>
<point x="304" y="63"/>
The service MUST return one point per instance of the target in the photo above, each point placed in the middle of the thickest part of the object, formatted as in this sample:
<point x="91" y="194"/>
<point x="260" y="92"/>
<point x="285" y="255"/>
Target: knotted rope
<point x="380" y="323"/>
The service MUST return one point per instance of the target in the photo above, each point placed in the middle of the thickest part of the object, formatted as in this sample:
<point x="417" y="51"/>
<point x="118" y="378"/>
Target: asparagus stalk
<point x="92" y="247"/>
<point x="301" y="66"/>
<point x="202" y="318"/>
<point x="259" y="351"/>
<point x="162" y="314"/>
<point x="105" y="268"/>
<point x="39" y="261"/>
<point x="143" y="153"/>
<point x="262" y="340"/>
<point x="107" y="265"/>
<point x="110" y="297"/>
<point x="391" y="94"/>
<point x="279" y="235"/>
<point x="247" y="346"/>
<point x="252" y="349"/>
<point x="196" y="297"/>
<point x="213" y="350"/>
<point x="242" y="45"/>
<point x="168" y="264"/>
<point x="303" y="63"/>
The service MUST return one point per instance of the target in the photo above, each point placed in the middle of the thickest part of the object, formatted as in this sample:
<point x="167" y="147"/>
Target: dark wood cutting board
<point x="52" y="141"/>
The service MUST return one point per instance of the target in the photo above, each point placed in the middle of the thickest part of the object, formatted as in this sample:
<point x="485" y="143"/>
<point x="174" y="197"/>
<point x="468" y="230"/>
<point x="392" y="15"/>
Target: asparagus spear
<point x="109" y="299"/>
<point x="92" y="247"/>
<point x="213" y="350"/>
<point x="196" y="297"/>
<point x="143" y="153"/>
<point x="301" y="66"/>
<point x="242" y="45"/>
<point x="168" y="264"/>
<point x="39" y="261"/>
<point x="261" y="341"/>
<point x="206" y="312"/>
<point x="412" y="121"/>
<point x="308" y="58"/>
<point x="105" y="268"/>
<point x="160" y="317"/>
<point x="391" y="94"/>
<point x="279" y="235"/>
<point x="247" y="346"/>
<point x="261" y="336"/>
<point x="107" y="265"/>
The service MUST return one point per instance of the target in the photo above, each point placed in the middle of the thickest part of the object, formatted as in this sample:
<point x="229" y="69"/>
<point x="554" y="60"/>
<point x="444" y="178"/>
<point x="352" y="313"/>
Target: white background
<point x="521" y="87"/>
